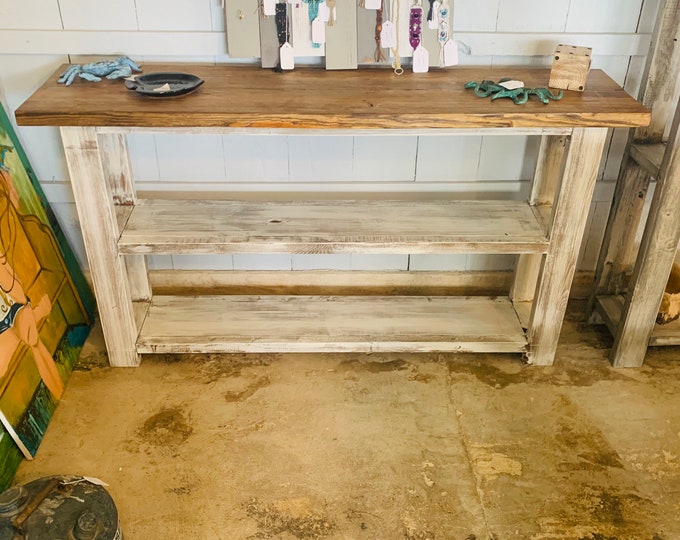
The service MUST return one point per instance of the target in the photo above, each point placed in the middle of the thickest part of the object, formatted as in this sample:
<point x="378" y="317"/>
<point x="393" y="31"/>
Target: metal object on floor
<point x="68" y="507"/>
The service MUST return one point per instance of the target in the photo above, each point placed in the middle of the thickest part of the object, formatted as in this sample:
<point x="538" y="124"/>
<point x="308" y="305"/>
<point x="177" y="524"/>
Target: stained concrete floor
<point x="415" y="447"/>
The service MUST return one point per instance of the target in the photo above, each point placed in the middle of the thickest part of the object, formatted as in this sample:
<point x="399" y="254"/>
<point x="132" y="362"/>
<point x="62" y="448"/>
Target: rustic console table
<point x="119" y="229"/>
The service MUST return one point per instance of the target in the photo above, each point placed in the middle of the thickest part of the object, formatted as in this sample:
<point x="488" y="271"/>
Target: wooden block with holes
<point x="570" y="67"/>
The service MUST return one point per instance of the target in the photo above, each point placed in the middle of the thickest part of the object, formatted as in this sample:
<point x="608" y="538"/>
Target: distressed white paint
<point x="33" y="43"/>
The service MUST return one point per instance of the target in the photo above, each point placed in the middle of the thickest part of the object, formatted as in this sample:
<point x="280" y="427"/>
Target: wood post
<point x="118" y="172"/>
<point x="569" y="220"/>
<point x="654" y="262"/>
<point x="545" y="184"/>
<point x="100" y="233"/>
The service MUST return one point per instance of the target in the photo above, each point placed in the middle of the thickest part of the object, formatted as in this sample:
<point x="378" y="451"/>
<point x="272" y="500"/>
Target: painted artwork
<point x="46" y="308"/>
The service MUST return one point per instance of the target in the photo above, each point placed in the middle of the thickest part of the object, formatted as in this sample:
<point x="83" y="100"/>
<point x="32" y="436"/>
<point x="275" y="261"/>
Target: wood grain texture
<point x="114" y="155"/>
<point x="654" y="261"/>
<point x="660" y="80"/>
<point x="435" y="100"/>
<point x="158" y="226"/>
<point x="618" y="251"/>
<point x="331" y="282"/>
<point x="116" y="165"/>
<point x="648" y="156"/>
<point x="663" y="335"/>
<point x="330" y="324"/>
<point x="570" y="67"/>
<point x="549" y="168"/>
<point x="569" y="218"/>
<point x="100" y="229"/>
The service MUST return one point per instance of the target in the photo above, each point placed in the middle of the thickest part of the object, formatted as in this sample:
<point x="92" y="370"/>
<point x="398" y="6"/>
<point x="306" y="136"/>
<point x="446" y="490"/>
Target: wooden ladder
<point x="628" y="304"/>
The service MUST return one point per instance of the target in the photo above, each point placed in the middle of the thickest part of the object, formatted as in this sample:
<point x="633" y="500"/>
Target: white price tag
<point x="433" y="24"/>
<point x="450" y="53"/>
<point x="287" y="56"/>
<point x="421" y="60"/>
<point x="269" y="7"/>
<point x="511" y="85"/>
<point x="372" y="4"/>
<point x="318" y="31"/>
<point x="388" y="35"/>
<point x="324" y="12"/>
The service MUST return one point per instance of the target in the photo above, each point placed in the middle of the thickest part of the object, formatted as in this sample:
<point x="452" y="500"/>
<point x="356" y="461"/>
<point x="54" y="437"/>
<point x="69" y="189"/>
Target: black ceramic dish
<point x="164" y="84"/>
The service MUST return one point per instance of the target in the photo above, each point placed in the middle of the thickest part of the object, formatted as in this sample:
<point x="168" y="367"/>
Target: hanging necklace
<point x="448" y="50"/>
<point x="395" y="8"/>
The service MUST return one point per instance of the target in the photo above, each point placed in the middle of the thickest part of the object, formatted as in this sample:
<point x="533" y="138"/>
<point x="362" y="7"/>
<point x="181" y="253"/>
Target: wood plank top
<point x="256" y="324"/>
<point x="313" y="98"/>
<point x="169" y="226"/>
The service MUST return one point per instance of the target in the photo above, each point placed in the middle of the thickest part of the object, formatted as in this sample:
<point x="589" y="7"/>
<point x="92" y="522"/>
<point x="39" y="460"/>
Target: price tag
<point x="324" y="12"/>
<point x="421" y="60"/>
<point x="511" y="85"/>
<point x="388" y="35"/>
<point x="450" y="53"/>
<point x="318" y="31"/>
<point x="433" y="24"/>
<point x="269" y="7"/>
<point x="287" y="56"/>
<point x="372" y="4"/>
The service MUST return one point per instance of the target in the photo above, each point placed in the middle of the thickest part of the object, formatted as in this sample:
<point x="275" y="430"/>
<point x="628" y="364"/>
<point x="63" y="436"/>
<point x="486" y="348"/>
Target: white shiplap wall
<point x="36" y="36"/>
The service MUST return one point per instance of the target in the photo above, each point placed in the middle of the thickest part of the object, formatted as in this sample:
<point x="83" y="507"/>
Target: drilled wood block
<point x="570" y="67"/>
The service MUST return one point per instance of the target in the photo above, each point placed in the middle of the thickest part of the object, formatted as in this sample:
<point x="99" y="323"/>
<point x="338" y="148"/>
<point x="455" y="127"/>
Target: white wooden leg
<point x="118" y="172"/>
<point x="569" y="219"/>
<point x="544" y="186"/>
<point x="654" y="262"/>
<point x="617" y="255"/>
<point x="100" y="231"/>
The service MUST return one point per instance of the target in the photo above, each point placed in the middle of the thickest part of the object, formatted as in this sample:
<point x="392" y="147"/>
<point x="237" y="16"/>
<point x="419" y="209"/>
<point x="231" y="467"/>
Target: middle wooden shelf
<point x="155" y="226"/>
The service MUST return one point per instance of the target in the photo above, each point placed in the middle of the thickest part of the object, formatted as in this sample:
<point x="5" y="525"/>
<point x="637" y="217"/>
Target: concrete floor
<point x="415" y="447"/>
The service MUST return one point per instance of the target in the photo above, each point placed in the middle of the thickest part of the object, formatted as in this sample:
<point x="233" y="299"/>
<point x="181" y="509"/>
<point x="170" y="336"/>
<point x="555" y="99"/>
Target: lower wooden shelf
<point x="256" y="324"/>
<point x="610" y="307"/>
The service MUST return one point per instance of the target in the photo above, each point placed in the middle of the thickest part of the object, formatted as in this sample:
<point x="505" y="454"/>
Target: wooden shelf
<point x="256" y="324"/>
<point x="333" y="227"/>
<point x="610" y="307"/>
<point x="648" y="156"/>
